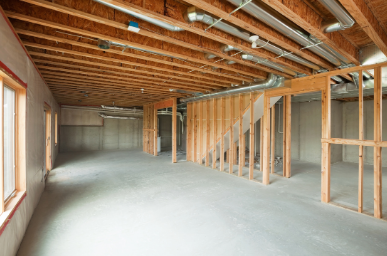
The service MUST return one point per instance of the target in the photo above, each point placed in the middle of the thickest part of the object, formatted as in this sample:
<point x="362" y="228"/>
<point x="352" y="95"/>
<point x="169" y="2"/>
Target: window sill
<point x="10" y="209"/>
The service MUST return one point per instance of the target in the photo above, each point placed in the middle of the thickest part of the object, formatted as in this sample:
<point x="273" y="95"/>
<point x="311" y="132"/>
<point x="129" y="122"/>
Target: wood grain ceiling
<point x="61" y="37"/>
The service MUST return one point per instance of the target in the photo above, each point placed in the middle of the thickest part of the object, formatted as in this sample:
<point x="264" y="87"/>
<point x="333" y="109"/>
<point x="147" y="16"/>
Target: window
<point x="9" y="142"/>
<point x="12" y="146"/>
<point x="56" y="128"/>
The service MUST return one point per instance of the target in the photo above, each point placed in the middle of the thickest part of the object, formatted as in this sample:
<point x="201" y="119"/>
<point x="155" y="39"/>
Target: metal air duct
<point x="194" y="14"/>
<point x="268" y="64"/>
<point x="142" y="17"/>
<point x="269" y="17"/>
<point x="344" y="20"/>
<point x="271" y="82"/>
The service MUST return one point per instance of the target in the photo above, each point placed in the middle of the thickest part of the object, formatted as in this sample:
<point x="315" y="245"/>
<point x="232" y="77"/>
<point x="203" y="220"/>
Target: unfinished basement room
<point x="193" y="127"/>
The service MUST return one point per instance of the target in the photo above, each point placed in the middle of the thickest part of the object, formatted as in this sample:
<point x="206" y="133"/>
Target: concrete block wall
<point x="351" y="130"/>
<point x="114" y="134"/>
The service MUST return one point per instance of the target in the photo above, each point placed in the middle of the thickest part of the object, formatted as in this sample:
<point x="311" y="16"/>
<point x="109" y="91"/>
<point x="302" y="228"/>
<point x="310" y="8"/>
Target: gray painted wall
<point x="114" y="134"/>
<point x="306" y="131"/>
<point x="351" y="130"/>
<point x="165" y="131"/>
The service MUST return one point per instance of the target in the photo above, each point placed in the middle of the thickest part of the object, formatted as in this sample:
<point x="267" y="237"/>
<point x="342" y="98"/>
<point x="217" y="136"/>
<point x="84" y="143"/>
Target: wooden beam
<point x="222" y="126"/>
<point x="241" y="161"/>
<point x="131" y="68"/>
<point x="200" y="133"/>
<point x="361" y="148"/>
<point x="252" y="138"/>
<point x="272" y="142"/>
<point x="195" y="132"/>
<point x="243" y="20"/>
<point x="288" y="129"/>
<point x="326" y="147"/>
<point x="301" y="14"/>
<point x="207" y="133"/>
<point x="165" y="103"/>
<point x="283" y="136"/>
<point x="174" y="134"/>
<point x="261" y="144"/>
<point x="84" y="32"/>
<point x="171" y="38"/>
<point x="155" y="130"/>
<point x="378" y="138"/>
<point x="215" y="124"/>
<point x="189" y="131"/>
<point x="266" y="141"/>
<point x="231" y="149"/>
<point x="368" y="22"/>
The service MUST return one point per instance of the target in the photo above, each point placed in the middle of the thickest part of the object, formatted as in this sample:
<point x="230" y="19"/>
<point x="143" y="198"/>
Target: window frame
<point x="56" y="128"/>
<point x="10" y="205"/>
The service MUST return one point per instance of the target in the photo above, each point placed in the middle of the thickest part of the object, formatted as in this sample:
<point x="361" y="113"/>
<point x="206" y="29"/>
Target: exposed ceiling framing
<point x="61" y="36"/>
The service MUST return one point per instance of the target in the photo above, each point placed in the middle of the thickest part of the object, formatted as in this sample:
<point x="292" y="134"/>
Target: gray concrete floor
<point x="131" y="203"/>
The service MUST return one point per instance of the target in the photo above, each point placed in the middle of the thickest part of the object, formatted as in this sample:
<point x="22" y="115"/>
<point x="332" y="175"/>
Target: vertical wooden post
<point x="252" y="132"/>
<point x="2" y="206"/>
<point x="235" y="152"/>
<point x="221" y="153"/>
<point x="283" y="136"/>
<point x="231" y="150"/>
<point x="208" y="133"/>
<point x="288" y="129"/>
<point x="174" y="117"/>
<point x="361" y="148"/>
<point x="261" y="144"/>
<point x="189" y="131"/>
<point x="378" y="138"/>
<point x="241" y="161"/>
<point x="326" y="147"/>
<point x="155" y="131"/>
<point x="200" y="133"/>
<point x="215" y="122"/>
<point x="266" y="140"/>
<point x="195" y="133"/>
<point x="272" y="155"/>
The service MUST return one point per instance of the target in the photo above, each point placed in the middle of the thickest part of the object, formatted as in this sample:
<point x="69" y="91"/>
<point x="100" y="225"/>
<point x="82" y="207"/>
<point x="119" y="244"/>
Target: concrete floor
<point x="131" y="203"/>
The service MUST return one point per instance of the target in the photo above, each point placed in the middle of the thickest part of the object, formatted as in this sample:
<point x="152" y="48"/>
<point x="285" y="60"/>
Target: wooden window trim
<point x="8" y="208"/>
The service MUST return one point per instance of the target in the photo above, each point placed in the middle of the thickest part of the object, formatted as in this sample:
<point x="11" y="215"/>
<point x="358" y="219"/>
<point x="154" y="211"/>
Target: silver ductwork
<point x="268" y="64"/>
<point x="182" y="91"/>
<point x="117" y="117"/>
<point x="272" y="81"/>
<point x="194" y="14"/>
<point x="142" y="17"/>
<point x="269" y="17"/>
<point x="118" y="108"/>
<point x="344" y="20"/>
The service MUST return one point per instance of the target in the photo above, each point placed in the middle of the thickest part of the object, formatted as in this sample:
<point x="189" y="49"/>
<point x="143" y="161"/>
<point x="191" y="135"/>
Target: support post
<point x="272" y="155"/>
<point x="283" y="136"/>
<point x="378" y="138"/>
<point x="241" y="161"/>
<point x="252" y="132"/>
<point x="174" y="117"/>
<point x="207" y="133"/>
<point x="200" y="133"/>
<point x="195" y="133"/>
<point x="155" y="131"/>
<point x="231" y="150"/>
<point x="261" y="144"/>
<point x="266" y="140"/>
<point x="326" y="147"/>
<point x="221" y="153"/>
<point x="361" y="148"/>
<point x="288" y="130"/>
<point x="215" y="122"/>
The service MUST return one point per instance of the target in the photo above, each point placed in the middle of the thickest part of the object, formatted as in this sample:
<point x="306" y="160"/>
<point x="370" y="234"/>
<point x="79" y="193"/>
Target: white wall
<point x="13" y="56"/>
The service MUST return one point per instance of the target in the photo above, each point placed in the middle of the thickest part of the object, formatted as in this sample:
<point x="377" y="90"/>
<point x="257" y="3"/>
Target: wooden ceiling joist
<point x="155" y="80"/>
<point x="123" y="78"/>
<point x="304" y="16"/>
<point x="172" y="38"/>
<point x="368" y="22"/>
<point x="169" y="38"/>
<point x="137" y="71"/>
<point x="239" y="73"/>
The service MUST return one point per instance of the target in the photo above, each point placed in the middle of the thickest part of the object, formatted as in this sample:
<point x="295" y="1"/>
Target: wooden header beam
<point x="165" y="103"/>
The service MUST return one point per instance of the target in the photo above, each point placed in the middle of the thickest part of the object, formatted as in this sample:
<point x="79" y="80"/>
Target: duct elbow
<point x="193" y="14"/>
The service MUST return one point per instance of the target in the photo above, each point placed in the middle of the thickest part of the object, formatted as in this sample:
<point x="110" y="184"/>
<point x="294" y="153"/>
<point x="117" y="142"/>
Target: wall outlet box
<point x="133" y="26"/>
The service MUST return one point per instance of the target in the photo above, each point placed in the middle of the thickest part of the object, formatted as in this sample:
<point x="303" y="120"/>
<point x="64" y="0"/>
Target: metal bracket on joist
<point x="283" y="54"/>
<point x="240" y="6"/>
